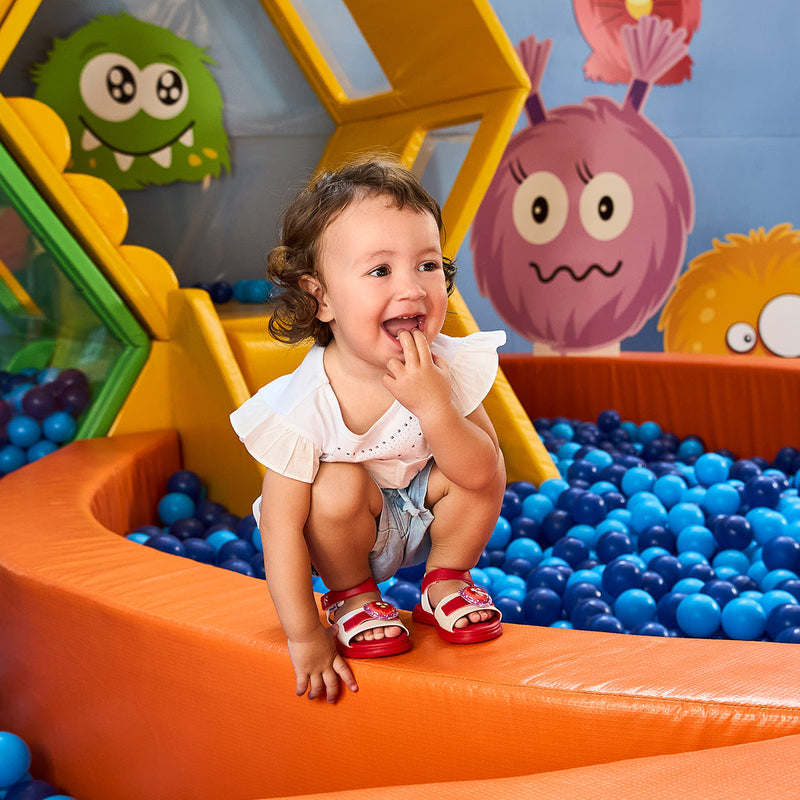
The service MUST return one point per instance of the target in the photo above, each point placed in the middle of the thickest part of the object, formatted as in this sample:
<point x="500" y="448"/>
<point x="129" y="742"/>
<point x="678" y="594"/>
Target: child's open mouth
<point x="397" y="324"/>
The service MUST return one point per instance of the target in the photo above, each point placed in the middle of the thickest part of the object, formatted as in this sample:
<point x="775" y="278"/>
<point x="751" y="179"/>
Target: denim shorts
<point x="402" y="539"/>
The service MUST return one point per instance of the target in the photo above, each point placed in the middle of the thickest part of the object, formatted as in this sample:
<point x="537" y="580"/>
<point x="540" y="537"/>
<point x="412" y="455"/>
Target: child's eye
<point x="429" y="266"/>
<point x="380" y="272"/>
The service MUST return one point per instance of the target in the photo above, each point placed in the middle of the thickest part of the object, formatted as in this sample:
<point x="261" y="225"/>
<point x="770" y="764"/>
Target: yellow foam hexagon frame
<point x="436" y="82"/>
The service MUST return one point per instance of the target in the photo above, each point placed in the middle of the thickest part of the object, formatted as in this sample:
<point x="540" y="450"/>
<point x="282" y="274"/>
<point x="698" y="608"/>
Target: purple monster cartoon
<point x="582" y="232"/>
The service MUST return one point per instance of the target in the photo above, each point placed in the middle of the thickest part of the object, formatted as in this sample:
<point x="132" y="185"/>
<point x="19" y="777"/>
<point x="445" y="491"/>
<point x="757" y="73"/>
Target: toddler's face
<point x="382" y="268"/>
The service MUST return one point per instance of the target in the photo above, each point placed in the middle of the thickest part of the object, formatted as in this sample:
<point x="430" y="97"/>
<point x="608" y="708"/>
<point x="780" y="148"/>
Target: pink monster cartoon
<point x="601" y="23"/>
<point x="582" y="232"/>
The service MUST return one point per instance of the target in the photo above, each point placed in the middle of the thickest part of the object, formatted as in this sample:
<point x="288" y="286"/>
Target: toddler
<point x="378" y="451"/>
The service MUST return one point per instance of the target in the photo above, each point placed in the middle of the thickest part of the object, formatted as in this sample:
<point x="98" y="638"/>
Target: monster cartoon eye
<point x="741" y="337"/>
<point x="540" y="207"/>
<point x="108" y="87"/>
<point x="606" y="206"/>
<point x="163" y="90"/>
<point x="779" y="325"/>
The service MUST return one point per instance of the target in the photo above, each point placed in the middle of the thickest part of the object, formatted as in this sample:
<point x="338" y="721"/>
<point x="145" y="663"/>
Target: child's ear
<point x="312" y="285"/>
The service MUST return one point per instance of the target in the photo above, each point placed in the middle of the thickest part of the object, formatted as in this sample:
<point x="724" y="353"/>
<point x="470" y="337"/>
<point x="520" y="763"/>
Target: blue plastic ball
<point x="766" y="523"/>
<point x="511" y="609"/>
<point x="711" y="468"/>
<point x="620" y="575"/>
<point x="512" y="505"/>
<point x="650" y="629"/>
<point x="538" y="506"/>
<point x="722" y="591"/>
<point x="219" y="538"/>
<point x="589" y="509"/>
<point x="542" y="606"/>
<point x="555" y="525"/>
<point x="199" y="550"/>
<point x="501" y="535"/>
<point x="166" y="544"/>
<point x="257" y="565"/>
<point x="721" y="498"/>
<point x="549" y="577"/>
<point x="23" y="431"/>
<point x="683" y="514"/>
<point x="31" y="790"/>
<point x="571" y="549"/>
<point x="59" y="427"/>
<point x="634" y="607"/>
<point x="733" y="532"/>
<point x="668" y="489"/>
<point x="696" y="538"/>
<point x="11" y="458"/>
<point x="237" y="565"/>
<point x="762" y="491"/>
<point x="235" y="548"/>
<point x="524" y="548"/>
<point x="174" y="506"/>
<point x="743" y="619"/>
<point x="789" y="636"/>
<point x="612" y="544"/>
<point x="40" y="449"/>
<point x="584" y="610"/>
<point x="578" y="591"/>
<point x="15" y="758"/>
<point x="637" y="479"/>
<point x="654" y="584"/>
<point x="698" y="615"/>
<point x="517" y="566"/>
<point x="786" y="615"/>
<point x="186" y="482"/>
<point x="781" y="552"/>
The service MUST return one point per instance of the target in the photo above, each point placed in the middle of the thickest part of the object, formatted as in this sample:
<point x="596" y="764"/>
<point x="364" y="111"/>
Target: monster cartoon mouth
<point x="609" y="273"/>
<point x="124" y="158"/>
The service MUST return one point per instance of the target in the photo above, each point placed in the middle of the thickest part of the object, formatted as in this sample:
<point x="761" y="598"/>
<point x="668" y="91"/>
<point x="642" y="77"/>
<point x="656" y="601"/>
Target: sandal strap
<point x="444" y="574"/>
<point x="332" y="600"/>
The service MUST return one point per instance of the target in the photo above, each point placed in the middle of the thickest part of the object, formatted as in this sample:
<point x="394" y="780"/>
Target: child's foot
<point x="461" y="612"/>
<point x="367" y="627"/>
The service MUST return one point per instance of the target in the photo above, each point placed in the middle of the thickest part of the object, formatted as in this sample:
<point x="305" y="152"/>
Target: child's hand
<point x="318" y="666"/>
<point x="422" y="383"/>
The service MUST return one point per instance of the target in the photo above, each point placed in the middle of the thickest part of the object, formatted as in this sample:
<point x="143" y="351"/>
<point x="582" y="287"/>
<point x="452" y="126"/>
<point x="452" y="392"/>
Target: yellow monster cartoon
<point x="741" y="297"/>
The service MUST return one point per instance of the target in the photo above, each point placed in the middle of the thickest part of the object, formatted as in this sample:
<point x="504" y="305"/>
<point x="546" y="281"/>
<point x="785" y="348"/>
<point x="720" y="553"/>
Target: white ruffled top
<point x="294" y="422"/>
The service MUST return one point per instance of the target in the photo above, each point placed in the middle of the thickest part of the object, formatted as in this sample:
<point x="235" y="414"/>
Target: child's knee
<point x="343" y="491"/>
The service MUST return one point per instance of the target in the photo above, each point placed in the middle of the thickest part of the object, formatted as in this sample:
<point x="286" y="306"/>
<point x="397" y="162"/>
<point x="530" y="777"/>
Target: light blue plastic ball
<point x="734" y="559"/>
<point x="775" y="597"/>
<point x="15" y="758"/>
<point x="648" y="513"/>
<point x="698" y="615"/>
<point x="637" y="479"/>
<point x="174" y="506"/>
<point x="669" y="488"/>
<point x="537" y="506"/>
<point x="774" y="577"/>
<point x="23" y="431"/>
<point x="552" y="488"/>
<point x="501" y="535"/>
<point x="586" y="576"/>
<point x="220" y="537"/>
<point x="11" y="458"/>
<point x="721" y="498"/>
<point x="743" y="618"/>
<point x="633" y="607"/>
<point x="40" y="449"/>
<point x="687" y="586"/>
<point x="59" y="427"/>
<point x="648" y="431"/>
<point x="562" y="430"/>
<point x="138" y="537"/>
<point x="600" y="458"/>
<point x="766" y="522"/>
<point x="696" y="538"/>
<point x="526" y="548"/>
<point x="684" y="514"/>
<point x="711" y="468"/>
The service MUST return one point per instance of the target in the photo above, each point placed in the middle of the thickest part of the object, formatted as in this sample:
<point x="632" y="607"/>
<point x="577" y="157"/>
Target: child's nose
<point x="410" y="286"/>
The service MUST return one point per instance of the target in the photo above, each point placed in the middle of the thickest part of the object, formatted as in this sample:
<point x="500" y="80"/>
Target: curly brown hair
<point x="294" y="314"/>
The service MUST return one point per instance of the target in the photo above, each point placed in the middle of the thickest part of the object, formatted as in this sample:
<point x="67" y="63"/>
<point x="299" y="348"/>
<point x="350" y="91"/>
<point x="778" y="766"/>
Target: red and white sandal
<point x="375" y="614"/>
<point x="457" y="605"/>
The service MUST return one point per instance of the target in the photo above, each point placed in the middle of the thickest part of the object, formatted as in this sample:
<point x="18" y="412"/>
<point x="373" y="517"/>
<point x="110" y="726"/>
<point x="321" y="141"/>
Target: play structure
<point x="133" y="674"/>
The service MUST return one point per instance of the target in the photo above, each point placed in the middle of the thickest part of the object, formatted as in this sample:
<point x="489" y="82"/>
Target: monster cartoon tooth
<point x="163" y="157"/>
<point x="187" y="138"/>
<point x="89" y="141"/>
<point x="124" y="161"/>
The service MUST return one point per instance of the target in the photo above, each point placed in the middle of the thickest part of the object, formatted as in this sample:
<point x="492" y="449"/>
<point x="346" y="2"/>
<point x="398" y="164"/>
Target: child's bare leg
<point x="463" y="522"/>
<point x="340" y="532"/>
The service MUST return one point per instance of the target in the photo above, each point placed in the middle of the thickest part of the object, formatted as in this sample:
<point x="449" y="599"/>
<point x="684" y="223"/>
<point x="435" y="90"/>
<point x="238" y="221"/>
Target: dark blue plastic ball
<point x="187" y="482"/>
<point x="786" y="615"/>
<point x="743" y="470"/>
<point x="511" y="610"/>
<point x="608" y="420"/>
<point x="584" y="610"/>
<point x="404" y="594"/>
<point x="654" y="584"/>
<point x="605" y="623"/>
<point x="733" y="532"/>
<point x="650" y="629"/>
<point x="781" y="552"/>
<point x="744" y="583"/>
<point x="612" y="544"/>
<point x="257" y="565"/>
<point x="668" y="567"/>
<point x="789" y="636"/>
<point x="762" y="491"/>
<point x="517" y="566"/>
<point x="221" y="291"/>
<point x="199" y="550"/>
<point x="571" y="549"/>
<point x="787" y="460"/>
<point x="666" y="609"/>
<point x="524" y="527"/>
<point x="245" y="527"/>
<point x="722" y="591"/>
<point x="522" y="488"/>
<point x="790" y="585"/>
<point x="578" y="591"/>
<point x="166" y="544"/>
<point x="236" y="548"/>
<point x="542" y="606"/>
<point x="186" y="527"/>
<point x="31" y="790"/>
<point x="555" y="524"/>
<point x="614" y="500"/>
<point x="413" y="574"/>
<point x="588" y="509"/>
<point x="548" y="577"/>
<point x="566" y="500"/>
<point x="613" y="473"/>
<point x="237" y="565"/>
<point x="657" y="536"/>
<point x="582" y="470"/>
<point x="512" y="505"/>
<point x="209" y="512"/>
<point x="620" y="575"/>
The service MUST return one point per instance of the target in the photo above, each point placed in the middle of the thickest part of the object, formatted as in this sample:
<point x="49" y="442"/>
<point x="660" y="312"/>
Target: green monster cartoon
<point x="139" y="102"/>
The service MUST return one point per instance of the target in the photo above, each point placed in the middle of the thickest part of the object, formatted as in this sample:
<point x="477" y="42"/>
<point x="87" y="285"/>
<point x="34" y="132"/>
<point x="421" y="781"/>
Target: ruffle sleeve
<point x="473" y="362"/>
<point x="273" y="443"/>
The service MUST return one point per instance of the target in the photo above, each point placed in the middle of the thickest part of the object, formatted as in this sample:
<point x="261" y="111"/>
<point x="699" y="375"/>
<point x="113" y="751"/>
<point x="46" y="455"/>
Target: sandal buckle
<point x="380" y="609"/>
<point x="475" y="596"/>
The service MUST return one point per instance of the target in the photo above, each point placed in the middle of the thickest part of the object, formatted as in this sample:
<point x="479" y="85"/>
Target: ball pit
<point x="38" y="413"/>
<point x="243" y="291"/>
<point x="683" y="543"/>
